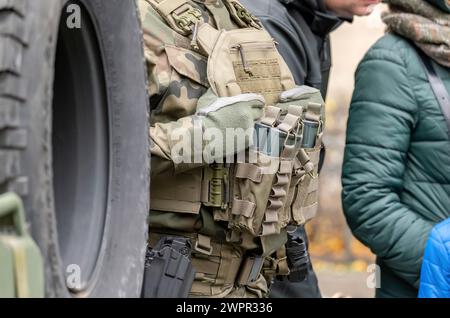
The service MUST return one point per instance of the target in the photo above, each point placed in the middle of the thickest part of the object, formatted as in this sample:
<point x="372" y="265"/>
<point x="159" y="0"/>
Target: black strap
<point x="438" y="87"/>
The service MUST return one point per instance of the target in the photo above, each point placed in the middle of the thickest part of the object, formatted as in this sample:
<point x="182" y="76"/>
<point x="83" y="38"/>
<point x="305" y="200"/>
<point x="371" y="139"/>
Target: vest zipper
<point x="244" y="60"/>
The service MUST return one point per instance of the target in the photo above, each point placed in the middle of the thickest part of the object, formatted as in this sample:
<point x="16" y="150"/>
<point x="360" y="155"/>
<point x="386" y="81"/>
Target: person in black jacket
<point x="302" y="28"/>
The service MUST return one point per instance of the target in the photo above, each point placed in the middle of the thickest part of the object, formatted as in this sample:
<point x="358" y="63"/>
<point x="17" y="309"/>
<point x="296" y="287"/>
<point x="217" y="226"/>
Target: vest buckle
<point x="187" y="19"/>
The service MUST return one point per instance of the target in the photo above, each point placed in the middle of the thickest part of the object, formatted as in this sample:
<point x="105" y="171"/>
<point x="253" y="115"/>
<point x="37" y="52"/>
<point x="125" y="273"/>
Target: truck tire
<point x="74" y="139"/>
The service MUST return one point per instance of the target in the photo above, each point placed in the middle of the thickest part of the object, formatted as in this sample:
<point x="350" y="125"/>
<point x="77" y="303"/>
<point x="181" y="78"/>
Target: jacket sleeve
<point x="161" y="79"/>
<point x="435" y="275"/>
<point x="381" y="119"/>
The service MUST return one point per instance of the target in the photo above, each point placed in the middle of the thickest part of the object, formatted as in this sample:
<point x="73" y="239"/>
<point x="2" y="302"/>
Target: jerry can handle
<point x="11" y="204"/>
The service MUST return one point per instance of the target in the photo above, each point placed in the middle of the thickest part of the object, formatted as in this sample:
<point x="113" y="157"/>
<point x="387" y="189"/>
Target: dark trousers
<point x="309" y="288"/>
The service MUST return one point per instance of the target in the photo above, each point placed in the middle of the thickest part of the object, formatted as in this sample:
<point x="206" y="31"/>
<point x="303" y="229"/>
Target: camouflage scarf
<point x="424" y="24"/>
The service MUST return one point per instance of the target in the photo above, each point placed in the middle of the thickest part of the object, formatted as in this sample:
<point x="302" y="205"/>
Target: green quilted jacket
<point x="396" y="173"/>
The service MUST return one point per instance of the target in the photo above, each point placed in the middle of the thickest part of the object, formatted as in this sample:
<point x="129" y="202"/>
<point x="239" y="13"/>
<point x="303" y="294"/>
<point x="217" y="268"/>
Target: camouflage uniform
<point x="178" y="80"/>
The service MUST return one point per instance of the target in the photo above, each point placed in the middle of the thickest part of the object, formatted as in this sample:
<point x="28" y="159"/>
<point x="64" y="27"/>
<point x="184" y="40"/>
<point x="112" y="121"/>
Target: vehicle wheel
<point x="74" y="139"/>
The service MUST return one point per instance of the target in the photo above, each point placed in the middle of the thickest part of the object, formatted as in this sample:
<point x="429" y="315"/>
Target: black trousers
<point x="309" y="288"/>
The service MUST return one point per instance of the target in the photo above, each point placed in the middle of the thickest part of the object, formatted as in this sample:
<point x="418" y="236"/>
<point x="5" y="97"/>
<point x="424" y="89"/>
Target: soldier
<point x="212" y="67"/>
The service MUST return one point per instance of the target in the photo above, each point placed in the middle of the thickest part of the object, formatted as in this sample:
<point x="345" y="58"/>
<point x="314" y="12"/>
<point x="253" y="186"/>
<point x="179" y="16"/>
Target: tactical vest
<point x="255" y="200"/>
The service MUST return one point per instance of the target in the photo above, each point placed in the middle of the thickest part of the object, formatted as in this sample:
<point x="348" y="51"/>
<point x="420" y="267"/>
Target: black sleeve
<point x="289" y="46"/>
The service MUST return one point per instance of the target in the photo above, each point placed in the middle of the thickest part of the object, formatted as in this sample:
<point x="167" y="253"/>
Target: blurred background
<point x="339" y="259"/>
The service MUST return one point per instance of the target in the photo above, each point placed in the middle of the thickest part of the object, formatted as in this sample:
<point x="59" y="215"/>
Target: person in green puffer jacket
<point x="396" y="172"/>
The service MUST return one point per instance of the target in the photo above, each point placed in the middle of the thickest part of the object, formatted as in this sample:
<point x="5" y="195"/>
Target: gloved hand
<point x="179" y="142"/>
<point x="299" y="96"/>
<point x="221" y="113"/>
<point x="239" y="111"/>
<point x="305" y="104"/>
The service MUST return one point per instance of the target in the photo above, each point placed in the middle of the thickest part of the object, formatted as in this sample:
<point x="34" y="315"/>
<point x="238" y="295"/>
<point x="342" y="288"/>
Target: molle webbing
<point x="271" y="116"/>
<point x="276" y="216"/>
<point x="244" y="61"/>
<point x="221" y="15"/>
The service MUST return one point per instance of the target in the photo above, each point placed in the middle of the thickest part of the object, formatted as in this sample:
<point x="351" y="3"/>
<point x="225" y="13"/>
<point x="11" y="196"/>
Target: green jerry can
<point x="21" y="264"/>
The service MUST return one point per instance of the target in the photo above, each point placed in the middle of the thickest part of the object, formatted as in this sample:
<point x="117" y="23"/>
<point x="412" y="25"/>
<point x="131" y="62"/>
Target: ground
<point x="344" y="284"/>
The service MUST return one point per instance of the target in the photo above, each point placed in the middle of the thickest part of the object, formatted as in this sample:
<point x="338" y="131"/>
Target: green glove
<point x="227" y="117"/>
<point x="239" y="111"/>
<point x="300" y="96"/>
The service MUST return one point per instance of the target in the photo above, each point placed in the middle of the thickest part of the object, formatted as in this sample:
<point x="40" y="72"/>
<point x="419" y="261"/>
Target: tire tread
<point x="13" y="137"/>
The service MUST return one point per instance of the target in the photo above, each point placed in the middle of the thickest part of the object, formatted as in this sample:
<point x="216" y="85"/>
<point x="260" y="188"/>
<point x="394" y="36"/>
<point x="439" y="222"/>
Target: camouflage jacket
<point x="177" y="74"/>
<point x="211" y="204"/>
